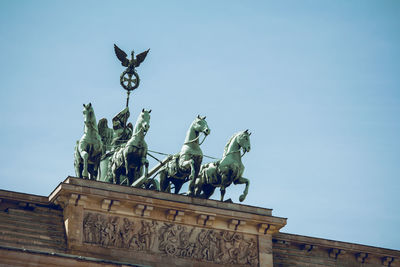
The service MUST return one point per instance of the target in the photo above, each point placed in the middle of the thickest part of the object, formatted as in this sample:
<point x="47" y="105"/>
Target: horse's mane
<point x="92" y="122"/>
<point x="229" y="142"/>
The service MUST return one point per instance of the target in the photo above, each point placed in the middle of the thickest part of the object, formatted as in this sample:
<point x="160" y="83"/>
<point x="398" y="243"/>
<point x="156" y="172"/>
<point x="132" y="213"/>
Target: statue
<point x="122" y="130"/>
<point x="130" y="159"/>
<point x="226" y="171"/>
<point x="130" y="65"/>
<point x="113" y="138"/>
<point x="119" y="154"/>
<point x="186" y="164"/>
<point x="106" y="134"/>
<point x="89" y="148"/>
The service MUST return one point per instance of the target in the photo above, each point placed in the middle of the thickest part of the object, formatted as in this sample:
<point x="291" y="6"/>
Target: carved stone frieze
<point x="174" y="240"/>
<point x="113" y="231"/>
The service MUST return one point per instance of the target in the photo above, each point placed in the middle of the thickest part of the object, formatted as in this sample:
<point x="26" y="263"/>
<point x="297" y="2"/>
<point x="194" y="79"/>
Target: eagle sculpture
<point x="133" y="62"/>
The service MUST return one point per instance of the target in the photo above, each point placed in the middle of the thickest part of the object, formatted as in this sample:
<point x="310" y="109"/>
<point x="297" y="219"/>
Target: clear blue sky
<point x="317" y="82"/>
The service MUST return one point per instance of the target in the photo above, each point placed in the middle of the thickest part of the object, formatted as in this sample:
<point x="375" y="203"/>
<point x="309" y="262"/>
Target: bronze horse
<point x="130" y="160"/>
<point x="88" y="149"/>
<point x="185" y="166"/>
<point x="226" y="171"/>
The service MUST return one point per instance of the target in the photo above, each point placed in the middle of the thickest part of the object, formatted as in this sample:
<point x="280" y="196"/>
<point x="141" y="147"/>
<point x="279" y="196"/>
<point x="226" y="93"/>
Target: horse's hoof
<point x="241" y="198"/>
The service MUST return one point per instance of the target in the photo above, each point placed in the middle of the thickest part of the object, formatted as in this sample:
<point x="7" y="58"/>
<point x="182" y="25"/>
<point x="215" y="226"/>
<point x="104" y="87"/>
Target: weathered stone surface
<point x="296" y="250"/>
<point x="159" y="230"/>
<point x="170" y="239"/>
<point x="30" y="222"/>
<point x="89" y="223"/>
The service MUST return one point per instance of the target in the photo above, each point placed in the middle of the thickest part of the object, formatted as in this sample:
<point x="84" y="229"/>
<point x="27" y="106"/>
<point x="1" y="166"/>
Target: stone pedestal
<point x="159" y="229"/>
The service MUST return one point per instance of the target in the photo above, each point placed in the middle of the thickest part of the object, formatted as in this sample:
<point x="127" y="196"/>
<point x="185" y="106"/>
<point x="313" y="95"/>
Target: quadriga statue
<point x="89" y="148"/>
<point x="185" y="165"/>
<point x="130" y="159"/>
<point x="226" y="171"/>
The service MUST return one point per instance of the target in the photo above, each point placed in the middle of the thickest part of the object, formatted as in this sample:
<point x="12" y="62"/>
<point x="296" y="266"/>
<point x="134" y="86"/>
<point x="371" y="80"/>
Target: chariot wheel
<point x="129" y="81"/>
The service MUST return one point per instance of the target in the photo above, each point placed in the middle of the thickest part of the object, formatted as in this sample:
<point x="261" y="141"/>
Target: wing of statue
<point x="105" y="133"/>
<point x="102" y="127"/>
<point x="140" y="57"/>
<point x="121" y="55"/>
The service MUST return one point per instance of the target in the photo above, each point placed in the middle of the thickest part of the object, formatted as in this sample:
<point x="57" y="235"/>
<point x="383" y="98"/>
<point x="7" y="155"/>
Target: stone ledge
<point x="99" y="196"/>
<point x="336" y="247"/>
<point x="63" y="259"/>
<point x="163" y="196"/>
<point x="23" y="197"/>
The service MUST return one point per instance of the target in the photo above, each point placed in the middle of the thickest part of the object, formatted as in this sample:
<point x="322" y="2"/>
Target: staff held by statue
<point x="129" y="78"/>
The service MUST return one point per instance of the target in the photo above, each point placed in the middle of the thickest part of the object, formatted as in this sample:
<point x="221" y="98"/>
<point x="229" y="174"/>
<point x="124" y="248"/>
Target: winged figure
<point x="133" y="62"/>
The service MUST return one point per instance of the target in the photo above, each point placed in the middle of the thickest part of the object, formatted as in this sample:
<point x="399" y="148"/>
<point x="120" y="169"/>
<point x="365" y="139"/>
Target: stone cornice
<point x="126" y="201"/>
<point x="336" y="248"/>
<point x="22" y="197"/>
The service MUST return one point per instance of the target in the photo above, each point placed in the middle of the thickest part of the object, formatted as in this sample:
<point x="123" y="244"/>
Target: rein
<point x="239" y="150"/>
<point x="195" y="139"/>
<point x="134" y="134"/>
<point x="141" y="130"/>
<point x="90" y="125"/>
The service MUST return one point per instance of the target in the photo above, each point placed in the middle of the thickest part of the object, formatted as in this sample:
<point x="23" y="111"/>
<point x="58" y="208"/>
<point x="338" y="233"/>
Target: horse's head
<point x="243" y="139"/>
<point x="143" y="122"/>
<point x="88" y="114"/>
<point x="200" y="125"/>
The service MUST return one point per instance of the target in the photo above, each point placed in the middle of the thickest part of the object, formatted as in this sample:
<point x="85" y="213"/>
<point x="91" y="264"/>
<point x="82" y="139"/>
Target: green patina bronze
<point x="117" y="137"/>
<point x="89" y="148"/>
<point x="185" y="166"/>
<point x="129" y="79"/>
<point x="119" y="154"/>
<point x="130" y="159"/>
<point x="122" y="130"/>
<point x="113" y="138"/>
<point x="226" y="171"/>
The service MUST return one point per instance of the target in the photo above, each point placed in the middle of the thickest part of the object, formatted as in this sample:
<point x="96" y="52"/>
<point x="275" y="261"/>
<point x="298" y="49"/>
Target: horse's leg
<point x="77" y="168"/>
<point x="178" y="186"/>
<point x="114" y="170"/>
<point x="242" y="180"/>
<point x="96" y="171"/>
<point x="124" y="155"/>
<point x="197" y="187"/>
<point x="85" y="157"/>
<point x="192" y="185"/>
<point x="164" y="181"/>
<point x="223" y="190"/>
<point x="192" y="176"/>
<point x="92" y="171"/>
<point x="208" y="190"/>
<point x="145" y="163"/>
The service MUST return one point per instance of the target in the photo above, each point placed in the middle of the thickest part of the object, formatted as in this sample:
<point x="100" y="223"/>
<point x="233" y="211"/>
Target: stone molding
<point x="336" y="250"/>
<point x="122" y="200"/>
<point x="150" y="226"/>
